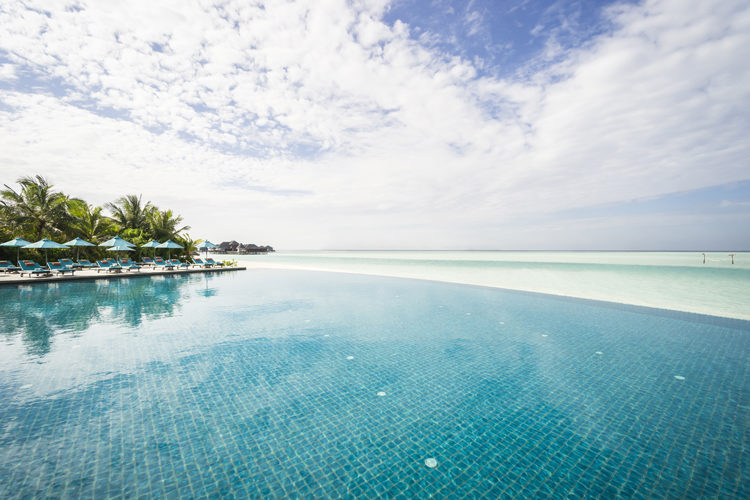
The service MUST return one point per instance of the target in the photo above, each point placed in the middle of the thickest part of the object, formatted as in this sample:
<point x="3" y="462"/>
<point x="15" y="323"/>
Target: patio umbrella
<point x="169" y="245"/>
<point x="45" y="244"/>
<point x="18" y="243"/>
<point x="120" y="248"/>
<point x="206" y="245"/>
<point x="116" y="242"/>
<point x="78" y="242"/>
<point x="152" y="244"/>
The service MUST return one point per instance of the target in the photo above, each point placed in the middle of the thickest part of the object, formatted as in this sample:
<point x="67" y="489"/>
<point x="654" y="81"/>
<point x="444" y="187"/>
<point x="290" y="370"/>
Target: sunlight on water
<point x="310" y="384"/>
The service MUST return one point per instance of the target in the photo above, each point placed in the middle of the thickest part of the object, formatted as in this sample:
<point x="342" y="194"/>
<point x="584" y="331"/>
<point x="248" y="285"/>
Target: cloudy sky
<point x="487" y="124"/>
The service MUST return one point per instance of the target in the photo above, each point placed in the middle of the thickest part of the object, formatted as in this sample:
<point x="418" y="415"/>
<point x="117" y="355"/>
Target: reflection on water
<point x="141" y="386"/>
<point x="38" y="312"/>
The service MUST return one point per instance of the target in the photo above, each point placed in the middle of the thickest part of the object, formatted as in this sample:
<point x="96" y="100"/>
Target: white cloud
<point x="410" y="146"/>
<point x="7" y="72"/>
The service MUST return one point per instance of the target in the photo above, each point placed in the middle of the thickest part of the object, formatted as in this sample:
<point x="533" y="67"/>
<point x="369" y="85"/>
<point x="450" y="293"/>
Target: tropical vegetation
<point x="33" y="210"/>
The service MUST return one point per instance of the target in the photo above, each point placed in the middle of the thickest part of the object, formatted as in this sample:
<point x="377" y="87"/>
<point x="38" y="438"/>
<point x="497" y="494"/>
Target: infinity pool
<point x="291" y="383"/>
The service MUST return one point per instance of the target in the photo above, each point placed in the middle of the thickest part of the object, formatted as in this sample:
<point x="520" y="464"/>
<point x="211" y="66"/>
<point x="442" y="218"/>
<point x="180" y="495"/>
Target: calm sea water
<point x="280" y="383"/>
<point x="668" y="280"/>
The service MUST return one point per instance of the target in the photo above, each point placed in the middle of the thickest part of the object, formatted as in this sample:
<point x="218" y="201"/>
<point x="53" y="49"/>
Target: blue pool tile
<point x="155" y="389"/>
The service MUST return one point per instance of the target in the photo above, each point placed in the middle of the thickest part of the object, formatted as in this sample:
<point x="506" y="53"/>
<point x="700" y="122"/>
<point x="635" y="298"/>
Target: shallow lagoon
<point x="267" y="383"/>
<point x="667" y="280"/>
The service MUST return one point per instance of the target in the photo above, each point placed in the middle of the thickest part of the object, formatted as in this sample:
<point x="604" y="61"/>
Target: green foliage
<point x="137" y="237"/>
<point x="189" y="245"/>
<point x="129" y="212"/>
<point x="35" y="210"/>
<point x="229" y="262"/>
<point x="89" y="223"/>
<point x="5" y="233"/>
<point x="164" y="225"/>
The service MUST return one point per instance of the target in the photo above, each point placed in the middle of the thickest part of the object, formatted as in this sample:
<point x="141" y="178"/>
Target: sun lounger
<point x="198" y="262"/>
<point x="59" y="268"/>
<point x="70" y="264"/>
<point x="147" y="261"/>
<point x="7" y="266"/>
<point x="129" y="265"/>
<point x="107" y="265"/>
<point x="177" y="263"/>
<point x="33" y="269"/>
<point x="113" y="262"/>
<point x="159" y="262"/>
<point x="86" y="264"/>
<point x="210" y="260"/>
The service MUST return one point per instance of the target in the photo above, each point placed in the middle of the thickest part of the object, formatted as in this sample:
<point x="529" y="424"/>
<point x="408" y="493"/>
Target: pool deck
<point x="92" y="274"/>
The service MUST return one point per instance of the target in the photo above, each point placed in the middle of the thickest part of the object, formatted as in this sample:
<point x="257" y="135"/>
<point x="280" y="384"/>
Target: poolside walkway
<point x="91" y="274"/>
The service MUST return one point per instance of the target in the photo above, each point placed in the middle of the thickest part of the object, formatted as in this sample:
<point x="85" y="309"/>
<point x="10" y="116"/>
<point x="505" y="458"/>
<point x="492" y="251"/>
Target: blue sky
<point x="403" y="124"/>
<point x="503" y="37"/>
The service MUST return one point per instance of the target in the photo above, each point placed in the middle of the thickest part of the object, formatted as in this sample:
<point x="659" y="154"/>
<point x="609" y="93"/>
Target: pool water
<point x="295" y="383"/>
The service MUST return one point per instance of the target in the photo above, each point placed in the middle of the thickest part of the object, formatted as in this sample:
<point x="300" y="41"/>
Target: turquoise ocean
<point x="665" y="280"/>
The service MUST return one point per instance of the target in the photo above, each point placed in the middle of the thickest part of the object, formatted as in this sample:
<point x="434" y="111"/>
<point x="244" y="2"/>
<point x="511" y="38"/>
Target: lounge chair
<point x="59" y="268"/>
<point x="159" y="262"/>
<point x="70" y="264"/>
<point x="107" y="265"/>
<point x="177" y="263"/>
<point x="33" y="269"/>
<point x="7" y="266"/>
<point x="113" y="262"/>
<point x="198" y="262"/>
<point x="210" y="260"/>
<point x="85" y="264"/>
<point x="129" y="265"/>
<point x="147" y="261"/>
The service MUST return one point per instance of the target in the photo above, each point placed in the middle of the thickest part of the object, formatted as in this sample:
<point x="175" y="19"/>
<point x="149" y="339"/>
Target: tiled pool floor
<point x="286" y="383"/>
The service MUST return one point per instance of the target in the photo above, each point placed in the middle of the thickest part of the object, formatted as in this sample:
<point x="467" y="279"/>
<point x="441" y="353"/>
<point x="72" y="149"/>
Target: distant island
<point x="242" y="248"/>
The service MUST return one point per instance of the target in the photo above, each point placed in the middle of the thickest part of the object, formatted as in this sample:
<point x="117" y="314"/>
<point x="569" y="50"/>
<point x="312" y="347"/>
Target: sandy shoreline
<point x="253" y="264"/>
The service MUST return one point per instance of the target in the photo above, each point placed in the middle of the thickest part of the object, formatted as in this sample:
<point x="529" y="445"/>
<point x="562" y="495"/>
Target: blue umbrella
<point x="116" y="242"/>
<point x="206" y="245"/>
<point x="45" y="244"/>
<point x="78" y="242"/>
<point x="169" y="244"/>
<point x="121" y="248"/>
<point x="18" y="243"/>
<point x="152" y="244"/>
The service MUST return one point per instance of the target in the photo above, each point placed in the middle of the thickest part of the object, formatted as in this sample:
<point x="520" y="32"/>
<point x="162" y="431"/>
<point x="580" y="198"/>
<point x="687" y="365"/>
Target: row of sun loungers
<point x="63" y="266"/>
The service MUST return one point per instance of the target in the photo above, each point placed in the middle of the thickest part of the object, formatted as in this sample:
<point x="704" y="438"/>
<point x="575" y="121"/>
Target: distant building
<point x="233" y="246"/>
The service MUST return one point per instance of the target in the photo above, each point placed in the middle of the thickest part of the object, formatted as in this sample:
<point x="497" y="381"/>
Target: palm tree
<point x="189" y="245"/>
<point x="4" y="218"/>
<point x="129" y="212"/>
<point x="5" y="231"/>
<point x="165" y="225"/>
<point x="89" y="223"/>
<point x="36" y="210"/>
